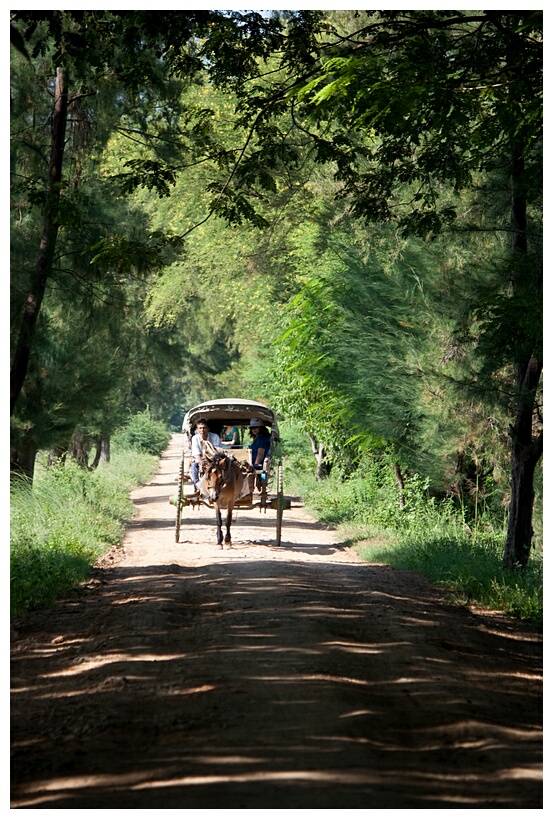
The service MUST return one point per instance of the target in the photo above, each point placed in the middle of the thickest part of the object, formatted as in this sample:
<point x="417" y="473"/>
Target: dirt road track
<point x="255" y="677"/>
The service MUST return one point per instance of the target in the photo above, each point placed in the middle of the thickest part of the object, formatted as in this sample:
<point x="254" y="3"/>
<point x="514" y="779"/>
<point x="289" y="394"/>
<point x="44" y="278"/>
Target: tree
<point x="35" y="296"/>
<point x="413" y="107"/>
<point x="408" y="109"/>
<point x="444" y="97"/>
<point x="474" y="103"/>
<point x="113" y="69"/>
<point x="100" y="62"/>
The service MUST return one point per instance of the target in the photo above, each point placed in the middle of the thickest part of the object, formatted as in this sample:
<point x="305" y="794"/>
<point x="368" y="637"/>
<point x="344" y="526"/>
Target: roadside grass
<point x="469" y="568"/>
<point x="62" y="523"/>
<point x="427" y="536"/>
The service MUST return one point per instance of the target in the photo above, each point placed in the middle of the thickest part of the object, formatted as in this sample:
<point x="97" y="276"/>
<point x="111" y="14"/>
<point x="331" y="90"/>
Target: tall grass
<point x="469" y="567"/>
<point x="427" y="535"/>
<point x="63" y="522"/>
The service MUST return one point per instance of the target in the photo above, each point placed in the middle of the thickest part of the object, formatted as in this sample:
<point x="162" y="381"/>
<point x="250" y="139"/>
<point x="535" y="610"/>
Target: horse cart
<point x="228" y="478"/>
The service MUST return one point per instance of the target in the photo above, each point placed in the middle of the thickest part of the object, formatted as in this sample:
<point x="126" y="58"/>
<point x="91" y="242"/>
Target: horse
<point x="223" y="479"/>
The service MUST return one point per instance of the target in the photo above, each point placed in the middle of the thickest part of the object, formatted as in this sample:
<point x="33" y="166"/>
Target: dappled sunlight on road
<point x="323" y="682"/>
<point x="186" y="676"/>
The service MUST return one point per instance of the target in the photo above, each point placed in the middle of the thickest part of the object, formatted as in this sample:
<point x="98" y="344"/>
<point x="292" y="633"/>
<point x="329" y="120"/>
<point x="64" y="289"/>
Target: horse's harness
<point x="217" y="465"/>
<point x="224" y="474"/>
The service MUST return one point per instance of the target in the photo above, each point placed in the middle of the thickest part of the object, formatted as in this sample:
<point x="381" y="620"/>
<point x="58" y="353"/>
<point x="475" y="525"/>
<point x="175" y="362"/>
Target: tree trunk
<point x="526" y="450"/>
<point x="56" y="456"/>
<point x="24" y="443"/>
<point x="79" y="450"/>
<point x="98" y="454"/>
<point x="22" y="459"/>
<point x="106" y="450"/>
<point x="525" y="454"/>
<point x="323" y="468"/>
<point x="33" y="302"/>
<point x="400" y="485"/>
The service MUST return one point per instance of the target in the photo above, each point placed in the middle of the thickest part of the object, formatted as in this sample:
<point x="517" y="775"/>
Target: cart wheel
<point x="179" y="501"/>
<point x="280" y="504"/>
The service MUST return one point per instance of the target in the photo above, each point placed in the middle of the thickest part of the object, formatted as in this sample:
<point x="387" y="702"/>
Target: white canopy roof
<point x="232" y="410"/>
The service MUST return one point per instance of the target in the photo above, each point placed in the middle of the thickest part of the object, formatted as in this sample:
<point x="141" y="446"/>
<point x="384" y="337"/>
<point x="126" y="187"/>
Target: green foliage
<point x="469" y="567"/>
<point x="143" y="433"/>
<point x="427" y="536"/>
<point x="371" y="496"/>
<point x="418" y="84"/>
<point x="298" y="460"/>
<point x="366" y="357"/>
<point x="92" y="351"/>
<point x="147" y="173"/>
<point x="507" y="320"/>
<point x="385" y="341"/>
<point x="64" y="522"/>
<point x="83" y="366"/>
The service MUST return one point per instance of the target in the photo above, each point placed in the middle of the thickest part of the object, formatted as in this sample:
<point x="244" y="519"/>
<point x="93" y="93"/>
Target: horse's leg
<point x="219" y="525"/>
<point x="229" y="521"/>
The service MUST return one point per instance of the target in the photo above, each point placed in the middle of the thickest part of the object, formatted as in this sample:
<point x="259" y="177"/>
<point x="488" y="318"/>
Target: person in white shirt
<point x="203" y="442"/>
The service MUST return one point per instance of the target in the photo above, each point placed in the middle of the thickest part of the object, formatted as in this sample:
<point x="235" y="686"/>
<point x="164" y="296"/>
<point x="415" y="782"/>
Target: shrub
<point x="64" y="521"/>
<point x="470" y="568"/>
<point x="429" y="536"/>
<point x="143" y="433"/>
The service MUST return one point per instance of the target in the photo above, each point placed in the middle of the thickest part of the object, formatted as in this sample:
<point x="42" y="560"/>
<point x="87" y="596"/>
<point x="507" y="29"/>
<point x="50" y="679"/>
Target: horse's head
<point x="216" y="472"/>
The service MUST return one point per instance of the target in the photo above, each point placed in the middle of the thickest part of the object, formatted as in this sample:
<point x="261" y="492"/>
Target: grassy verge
<point x="469" y="568"/>
<point x="426" y="536"/>
<point x="65" y="521"/>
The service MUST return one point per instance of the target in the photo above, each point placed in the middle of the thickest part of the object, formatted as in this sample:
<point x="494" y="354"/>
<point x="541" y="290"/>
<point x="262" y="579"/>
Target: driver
<point x="203" y="443"/>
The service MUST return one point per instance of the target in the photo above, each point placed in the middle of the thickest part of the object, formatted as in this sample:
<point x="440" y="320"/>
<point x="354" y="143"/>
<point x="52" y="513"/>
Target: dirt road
<point x="254" y="677"/>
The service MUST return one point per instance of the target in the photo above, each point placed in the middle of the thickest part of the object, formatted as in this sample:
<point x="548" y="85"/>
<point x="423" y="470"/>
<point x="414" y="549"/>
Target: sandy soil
<point x="186" y="676"/>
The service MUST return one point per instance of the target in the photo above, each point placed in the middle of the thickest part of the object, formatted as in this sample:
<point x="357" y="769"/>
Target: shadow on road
<point x="276" y="684"/>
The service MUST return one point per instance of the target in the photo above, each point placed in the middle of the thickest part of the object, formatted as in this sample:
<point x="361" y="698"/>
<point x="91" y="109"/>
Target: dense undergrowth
<point x="437" y="538"/>
<point x="70" y="516"/>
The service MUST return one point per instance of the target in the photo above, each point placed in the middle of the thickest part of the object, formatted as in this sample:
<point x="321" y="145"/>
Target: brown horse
<point x="223" y="480"/>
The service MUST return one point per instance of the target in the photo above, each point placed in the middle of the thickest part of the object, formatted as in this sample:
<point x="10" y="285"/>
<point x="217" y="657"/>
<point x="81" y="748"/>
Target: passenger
<point x="261" y="443"/>
<point x="230" y="435"/>
<point x="204" y="442"/>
